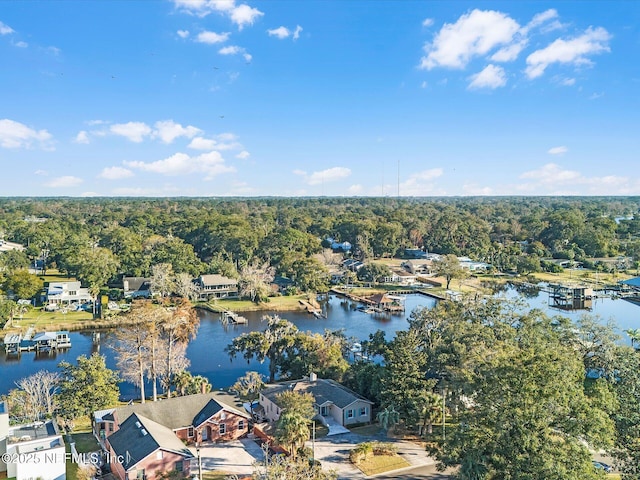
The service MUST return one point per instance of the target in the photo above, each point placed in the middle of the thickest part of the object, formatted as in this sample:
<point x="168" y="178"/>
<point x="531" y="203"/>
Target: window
<point x="223" y="428"/>
<point x="159" y="455"/>
<point x="363" y="411"/>
<point x="141" y="475"/>
<point x="241" y="425"/>
<point x="179" y="467"/>
<point x="349" y="413"/>
<point x="190" y="432"/>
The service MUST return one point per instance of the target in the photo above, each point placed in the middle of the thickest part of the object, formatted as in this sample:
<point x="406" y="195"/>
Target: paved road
<point x="427" y="472"/>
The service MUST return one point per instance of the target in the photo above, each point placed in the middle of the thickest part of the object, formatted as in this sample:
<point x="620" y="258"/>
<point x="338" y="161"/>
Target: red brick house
<point x="189" y="420"/>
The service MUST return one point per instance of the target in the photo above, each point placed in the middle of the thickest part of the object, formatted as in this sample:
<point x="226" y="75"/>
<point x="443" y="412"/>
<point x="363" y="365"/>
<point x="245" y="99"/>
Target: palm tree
<point x="388" y="418"/>
<point x="634" y="335"/>
<point x="292" y="430"/>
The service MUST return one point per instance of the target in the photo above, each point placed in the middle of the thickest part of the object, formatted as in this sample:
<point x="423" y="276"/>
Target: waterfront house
<point x="65" y="293"/>
<point x="333" y="402"/>
<point x="136" y="287"/>
<point x="39" y="442"/>
<point x="192" y="418"/>
<point x="216" y="286"/>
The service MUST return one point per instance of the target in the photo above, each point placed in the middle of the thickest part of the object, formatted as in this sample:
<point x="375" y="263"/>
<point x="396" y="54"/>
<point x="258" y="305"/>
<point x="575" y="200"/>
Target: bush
<point x="361" y="452"/>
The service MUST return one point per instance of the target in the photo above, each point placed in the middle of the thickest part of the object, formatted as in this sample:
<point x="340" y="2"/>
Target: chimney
<point x="313" y="377"/>
<point x="203" y="388"/>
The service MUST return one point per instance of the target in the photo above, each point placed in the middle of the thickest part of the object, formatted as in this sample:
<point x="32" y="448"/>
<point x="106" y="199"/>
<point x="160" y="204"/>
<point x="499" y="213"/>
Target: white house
<point x="64" y="293"/>
<point x="31" y="451"/>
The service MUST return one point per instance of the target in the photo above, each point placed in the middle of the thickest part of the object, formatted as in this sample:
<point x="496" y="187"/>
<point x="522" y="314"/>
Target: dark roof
<point x="322" y="390"/>
<point x="138" y="437"/>
<point x="132" y="284"/>
<point x="209" y="410"/>
<point x="176" y="412"/>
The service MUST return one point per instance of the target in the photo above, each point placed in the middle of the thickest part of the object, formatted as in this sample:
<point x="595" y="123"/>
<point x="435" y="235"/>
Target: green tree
<point x="448" y="267"/>
<point x="270" y="344"/>
<point x="248" y="387"/>
<point x="388" y="417"/>
<point x="95" y="266"/>
<point x="24" y="284"/>
<point x="527" y="412"/>
<point x="86" y="387"/>
<point x="373" y="272"/>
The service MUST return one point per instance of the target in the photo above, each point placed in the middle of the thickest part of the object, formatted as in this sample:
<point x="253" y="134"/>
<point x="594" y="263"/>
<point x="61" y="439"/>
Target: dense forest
<point x="200" y="236"/>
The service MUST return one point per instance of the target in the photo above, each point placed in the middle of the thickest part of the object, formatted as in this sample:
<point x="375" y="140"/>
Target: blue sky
<point x="311" y="98"/>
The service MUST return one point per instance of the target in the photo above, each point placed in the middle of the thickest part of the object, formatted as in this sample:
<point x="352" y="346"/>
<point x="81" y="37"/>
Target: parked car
<point x="602" y="466"/>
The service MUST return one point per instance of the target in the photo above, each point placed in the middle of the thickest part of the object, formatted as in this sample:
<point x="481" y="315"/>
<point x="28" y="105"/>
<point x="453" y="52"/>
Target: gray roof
<point x="322" y="390"/>
<point x="177" y="412"/>
<point x="132" y="284"/>
<point x="138" y="437"/>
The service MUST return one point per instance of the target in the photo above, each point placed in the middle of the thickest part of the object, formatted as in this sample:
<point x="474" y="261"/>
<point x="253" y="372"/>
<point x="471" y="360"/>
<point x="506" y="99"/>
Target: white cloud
<point x="64" y="182"/>
<point x="43" y="173"/>
<point x="82" y="137"/>
<point x="230" y="50"/>
<point x="243" y="155"/>
<point x="323" y="176"/>
<point x="474" y="34"/>
<point x="553" y="179"/>
<point x="423" y="84"/>
<point x="568" y="82"/>
<point x="241" y="188"/>
<point x="210" y="164"/>
<point x="211" y="38"/>
<point x="356" y="189"/>
<point x="419" y="183"/>
<point x="280" y="32"/>
<point x="115" y="173"/>
<point x="183" y="33"/>
<point x="168" y="131"/>
<point x="491" y="77"/>
<point x="573" y="51"/>
<point x="557" y="150"/>
<point x="284" y="32"/>
<point x="200" y="143"/>
<point x="20" y="44"/>
<point x="510" y="52"/>
<point x="328" y="175"/>
<point x="90" y="194"/>
<point x="17" y="135"/>
<point x="96" y="122"/>
<point x="243" y="15"/>
<point x="5" y="29"/>
<point x="595" y="96"/>
<point x="427" y="22"/>
<point x="134" y="131"/>
<point x="541" y="18"/>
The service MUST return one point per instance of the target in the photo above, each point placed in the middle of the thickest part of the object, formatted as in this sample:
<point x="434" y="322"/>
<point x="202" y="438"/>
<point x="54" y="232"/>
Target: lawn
<point x="284" y="303"/>
<point x="375" y="464"/>
<point x="85" y="442"/>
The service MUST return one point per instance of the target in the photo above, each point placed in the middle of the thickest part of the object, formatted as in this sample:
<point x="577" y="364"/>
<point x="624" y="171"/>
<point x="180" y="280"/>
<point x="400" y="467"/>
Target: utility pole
<point x="444" y="396"/>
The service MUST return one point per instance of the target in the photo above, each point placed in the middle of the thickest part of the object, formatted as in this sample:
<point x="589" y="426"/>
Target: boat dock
<point x="316" y="311"/>
<point x="228" y="316"/>
<point x="15" y="343"/>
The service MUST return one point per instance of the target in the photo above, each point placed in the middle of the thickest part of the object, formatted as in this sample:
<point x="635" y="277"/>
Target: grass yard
<point x="85" y="442"/>
<point x="375" y="464"/>
<point x="214" y="475"/>
<point x="283" y="304"/>
<point x="366" y="430"/>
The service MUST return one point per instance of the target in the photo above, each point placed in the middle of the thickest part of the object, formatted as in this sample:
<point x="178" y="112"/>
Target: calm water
<point x="207" y="354"/>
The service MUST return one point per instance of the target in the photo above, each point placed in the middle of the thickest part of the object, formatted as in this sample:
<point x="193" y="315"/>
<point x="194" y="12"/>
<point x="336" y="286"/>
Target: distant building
<point x="338" y="246"/>
<point x="136" y="287"/>
<point x="216" y="286"/>
<point x="64" y="293"/>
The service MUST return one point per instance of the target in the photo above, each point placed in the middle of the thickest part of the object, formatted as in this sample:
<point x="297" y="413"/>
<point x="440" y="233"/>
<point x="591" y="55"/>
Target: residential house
<point x="333" y="402"/>
<point x="191" y="418"/>
<point x="338" y="246"/>
<point x="145" y="450"/>
<point x="353" y="265"/>
<point x="216" y="286"/>
<point x="400" y="277"/>
<point x="418" y="267"/>
<point x="472" y="266"/>
<point x="31" y="451"/>
<point x="65" y="293"/>
<point x="415" y="253"/>
<point x="136" y="287"/>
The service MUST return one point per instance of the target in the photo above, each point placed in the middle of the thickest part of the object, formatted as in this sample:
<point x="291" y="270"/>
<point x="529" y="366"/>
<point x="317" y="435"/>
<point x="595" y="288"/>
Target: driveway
<point x="333" y="452"/>
<point x="236" y="456"/>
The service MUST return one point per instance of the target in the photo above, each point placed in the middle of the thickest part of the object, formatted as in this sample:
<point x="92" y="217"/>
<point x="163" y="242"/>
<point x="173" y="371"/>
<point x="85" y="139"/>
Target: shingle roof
<point x="176" y="412"/>
<point x="138" y="437"/>
<point x="322" y="390"/>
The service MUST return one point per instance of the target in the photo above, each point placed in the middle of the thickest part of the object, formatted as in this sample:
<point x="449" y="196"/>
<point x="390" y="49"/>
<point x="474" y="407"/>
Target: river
<point x="208" y="358"/>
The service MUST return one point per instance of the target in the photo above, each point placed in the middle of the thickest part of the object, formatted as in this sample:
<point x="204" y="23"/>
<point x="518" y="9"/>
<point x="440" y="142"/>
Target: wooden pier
<point x="314" y="310"/>
<point x="227" y="316"/>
